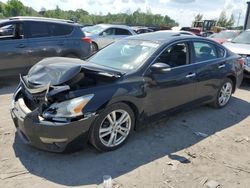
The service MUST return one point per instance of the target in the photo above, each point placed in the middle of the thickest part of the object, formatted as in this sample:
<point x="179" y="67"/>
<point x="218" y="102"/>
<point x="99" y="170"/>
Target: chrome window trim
<point x="195" y="63"/>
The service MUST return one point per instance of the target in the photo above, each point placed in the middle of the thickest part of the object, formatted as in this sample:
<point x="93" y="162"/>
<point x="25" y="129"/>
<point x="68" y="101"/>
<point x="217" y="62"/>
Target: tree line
<point x="17" y="8"/>
<point x="222" y="21"/>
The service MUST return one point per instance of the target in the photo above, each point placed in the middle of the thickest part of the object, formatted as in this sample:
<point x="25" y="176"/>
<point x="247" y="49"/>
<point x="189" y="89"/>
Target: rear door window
<point x="60" y="29"/>
<point x="38" y="29"/>
<point x="119" y="31"/>
<point x="204" y="51"/>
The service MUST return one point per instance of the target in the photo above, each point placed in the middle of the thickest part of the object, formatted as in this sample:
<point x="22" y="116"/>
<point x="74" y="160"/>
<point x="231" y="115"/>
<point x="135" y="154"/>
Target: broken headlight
<point x="67" y="109"/>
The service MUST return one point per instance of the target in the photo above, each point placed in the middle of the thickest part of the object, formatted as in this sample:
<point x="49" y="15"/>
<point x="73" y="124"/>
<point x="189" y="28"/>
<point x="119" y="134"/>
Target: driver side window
<point x="176" y="55"/>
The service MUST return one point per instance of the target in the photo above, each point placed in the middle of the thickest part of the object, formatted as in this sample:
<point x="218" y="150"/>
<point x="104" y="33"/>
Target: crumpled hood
<point x="237" y="48"/>
<point x="55" y="71"/>
<point x="58" y="70"/>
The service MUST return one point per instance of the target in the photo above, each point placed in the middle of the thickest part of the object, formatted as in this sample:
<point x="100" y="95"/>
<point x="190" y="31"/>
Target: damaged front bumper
<point x="49" y="135"/>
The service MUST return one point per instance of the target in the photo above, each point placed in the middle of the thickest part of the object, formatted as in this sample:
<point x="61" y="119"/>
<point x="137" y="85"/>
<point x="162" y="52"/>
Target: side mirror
<point x="160" y="67"/>
<point x="229" y="40"/>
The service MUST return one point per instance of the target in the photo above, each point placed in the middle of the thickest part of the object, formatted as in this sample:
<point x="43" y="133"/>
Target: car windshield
<point x="243" y="38"/>
<point x="125" y="55"/>
<point x="224" y="35"/>
<point x="93" y="29"/>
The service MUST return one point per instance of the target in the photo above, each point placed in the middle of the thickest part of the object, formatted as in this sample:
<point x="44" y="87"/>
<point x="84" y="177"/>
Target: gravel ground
<point x="166" y="153"/>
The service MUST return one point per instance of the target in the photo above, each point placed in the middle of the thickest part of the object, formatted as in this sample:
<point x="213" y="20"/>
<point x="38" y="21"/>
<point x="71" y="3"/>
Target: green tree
<point x="231" y="21"/>
<point x="14" y="8"/>
<point x="198" y="17"/>
<point x="223" y="21"/>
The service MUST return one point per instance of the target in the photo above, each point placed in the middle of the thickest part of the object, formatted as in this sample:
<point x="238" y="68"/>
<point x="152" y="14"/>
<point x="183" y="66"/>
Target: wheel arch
<point x="97" y="47"/>
<point x="135" y="110"/>
<point x="130" y="102"/>
<point x="233" y="78"/>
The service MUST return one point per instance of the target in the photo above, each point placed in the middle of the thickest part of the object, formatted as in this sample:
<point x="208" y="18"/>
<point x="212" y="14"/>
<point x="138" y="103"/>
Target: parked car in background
<point x="241" y="45"/>
<point x="140" y="30"/>
<point x="105" y="34"/>
<point x="178" y="32"/>
<point x="86" y="25"/>
<point x="26" y="40"/>
<point x="65" y="102"/>
<point x="224" y="36"/>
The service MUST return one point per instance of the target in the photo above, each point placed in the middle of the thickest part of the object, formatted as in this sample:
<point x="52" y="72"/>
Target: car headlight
<point x="68" y="109"/>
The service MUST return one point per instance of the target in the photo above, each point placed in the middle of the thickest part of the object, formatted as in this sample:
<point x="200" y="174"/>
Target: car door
<point x="14" y="48"/>
<point x="41" y="42"/>
<point x="106" y="37"/>
<point x="172" y="88"/>
<point x="210" y="67"/>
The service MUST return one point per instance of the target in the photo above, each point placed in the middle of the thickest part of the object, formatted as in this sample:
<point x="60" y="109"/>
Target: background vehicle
<point x="140" y="30"/>
<point x="127" y="83"/>
<point x="241" y="45"/>
<point x="104" y="34"/>
<point x="26" y="40"/>
<point x="224" y="36"/>
<point x="203" y="28"/>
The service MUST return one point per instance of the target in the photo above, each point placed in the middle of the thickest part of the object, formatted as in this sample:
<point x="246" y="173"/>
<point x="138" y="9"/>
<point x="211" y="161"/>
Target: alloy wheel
<point x="225" y="94"/>
<point x="115" y="128"/>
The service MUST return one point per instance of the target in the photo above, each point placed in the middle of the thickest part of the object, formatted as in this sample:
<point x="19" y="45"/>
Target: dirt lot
<point x="166" y="153"/>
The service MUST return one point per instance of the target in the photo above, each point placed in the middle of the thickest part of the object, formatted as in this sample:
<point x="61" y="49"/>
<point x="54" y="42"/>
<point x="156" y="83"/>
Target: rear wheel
<point x="94" y="47"/>
<point x="112" y="127"/>
<point x="224" y="94"/>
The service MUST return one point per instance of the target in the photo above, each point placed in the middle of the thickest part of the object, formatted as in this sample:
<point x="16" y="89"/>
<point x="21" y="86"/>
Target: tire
<point x="224" y="94"/>
<point x="104" y="135"/>
<point x="94" y="47"/>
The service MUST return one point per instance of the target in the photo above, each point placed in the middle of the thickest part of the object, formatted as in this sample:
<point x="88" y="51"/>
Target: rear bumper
<point x="48" y="135"/>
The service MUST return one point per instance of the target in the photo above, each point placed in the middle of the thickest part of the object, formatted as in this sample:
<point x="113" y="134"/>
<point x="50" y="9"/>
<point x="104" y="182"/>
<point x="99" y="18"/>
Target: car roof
<point x="114" y="25"/>
<point x="43" y="19"/>
<point x="162" y="36"/>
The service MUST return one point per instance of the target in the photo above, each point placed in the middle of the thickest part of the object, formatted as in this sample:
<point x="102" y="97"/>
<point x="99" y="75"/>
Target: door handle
<point x="21" y="46"/>
<point x="191" y="75"/>
<point x="221" y="66"/>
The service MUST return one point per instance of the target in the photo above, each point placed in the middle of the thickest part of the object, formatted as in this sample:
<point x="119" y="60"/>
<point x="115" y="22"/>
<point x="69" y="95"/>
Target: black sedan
<point x="63" y="103"/>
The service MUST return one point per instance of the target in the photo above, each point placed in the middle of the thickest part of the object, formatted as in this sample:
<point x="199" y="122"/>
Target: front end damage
<point x="50" y="108"/>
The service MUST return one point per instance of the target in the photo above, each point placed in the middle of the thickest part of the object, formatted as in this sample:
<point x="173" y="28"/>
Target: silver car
<point x="241" y="45"/>
<point x="104" y="34"/>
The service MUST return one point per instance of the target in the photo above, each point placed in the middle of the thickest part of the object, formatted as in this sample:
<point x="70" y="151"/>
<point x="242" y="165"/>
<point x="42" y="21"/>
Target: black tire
<point x="216" y="103"/>
<point x="94" y="47"/>
<point x="95" y="139"/>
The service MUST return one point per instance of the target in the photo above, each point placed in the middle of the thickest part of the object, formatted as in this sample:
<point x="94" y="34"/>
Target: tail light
<point x="87" y="39"/>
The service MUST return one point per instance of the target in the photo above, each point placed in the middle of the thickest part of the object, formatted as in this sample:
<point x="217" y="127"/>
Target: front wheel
<point x="112" y="127"/>
<point x="224" y="94"/>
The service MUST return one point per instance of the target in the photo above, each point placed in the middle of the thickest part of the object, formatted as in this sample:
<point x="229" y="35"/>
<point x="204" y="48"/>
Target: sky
<point x="183" y="11"/>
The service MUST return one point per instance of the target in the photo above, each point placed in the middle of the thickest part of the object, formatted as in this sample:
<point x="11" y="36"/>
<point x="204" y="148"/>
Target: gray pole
<point x="247" y="20"/>
<point x="238" y="22"/>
